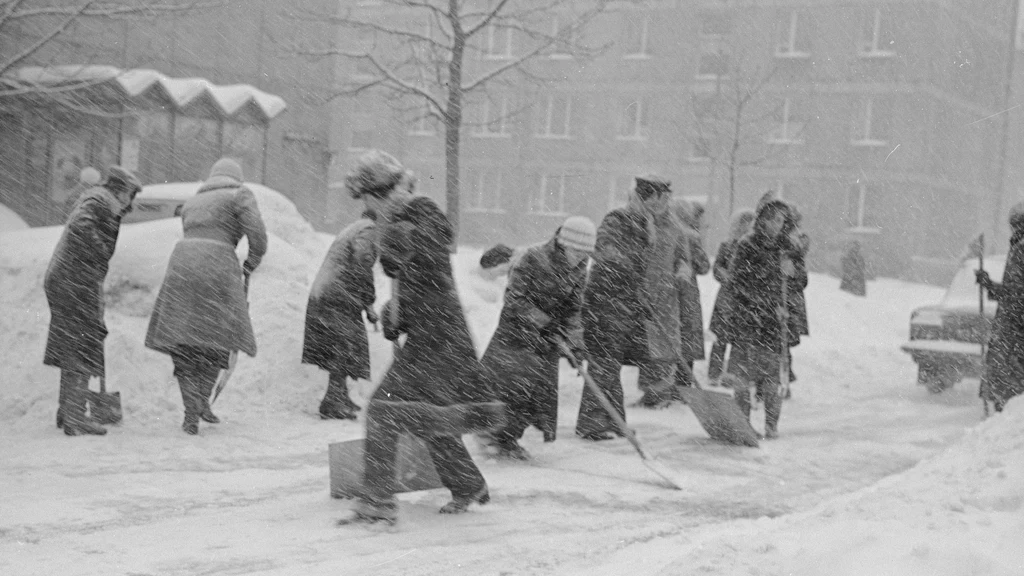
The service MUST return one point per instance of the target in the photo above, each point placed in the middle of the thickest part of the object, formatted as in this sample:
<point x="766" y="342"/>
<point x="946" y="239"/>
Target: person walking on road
<point x="436" y="388"/>
<point x="335" y="334"/>
<point x="616" y="306"/>
<point x="74" y="291"/>
<point x="542" y="306"/>
<point x="721" y="323"/>
<point x="201" y="315"/>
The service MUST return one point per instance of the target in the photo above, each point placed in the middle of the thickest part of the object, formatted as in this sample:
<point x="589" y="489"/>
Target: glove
<point x="372" y="316"/>
<point x="983" y="279"/>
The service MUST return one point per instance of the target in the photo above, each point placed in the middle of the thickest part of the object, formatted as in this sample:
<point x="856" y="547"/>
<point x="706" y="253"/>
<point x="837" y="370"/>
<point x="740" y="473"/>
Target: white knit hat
<point x="578" y="232"/>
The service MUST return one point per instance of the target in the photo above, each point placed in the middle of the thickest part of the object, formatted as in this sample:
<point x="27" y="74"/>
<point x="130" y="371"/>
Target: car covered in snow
<point x="157" y="201"/>
<point x="946" y="339"/>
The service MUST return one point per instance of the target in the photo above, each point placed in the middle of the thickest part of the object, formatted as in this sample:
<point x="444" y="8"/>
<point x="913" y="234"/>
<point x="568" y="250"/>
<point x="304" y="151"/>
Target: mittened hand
<point x="983" y="278"/>
<point x="372" y="316"/>
<point x="788" y="268"/>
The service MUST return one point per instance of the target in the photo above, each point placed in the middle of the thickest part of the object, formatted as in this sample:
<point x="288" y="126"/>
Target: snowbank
<point x="10" y="221"/>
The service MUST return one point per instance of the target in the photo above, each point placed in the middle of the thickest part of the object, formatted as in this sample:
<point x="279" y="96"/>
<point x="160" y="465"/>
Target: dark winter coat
<point x="853" y="272"/>
<point x="542" y="304"/>
<point x="1004" y="377"/>
<point x="74" y="284"/>
<point x="797" y="302"/>
<point x="756" y="273"/>
<point x="202" y="302"/>
<point x="335" y="335"/>
<point x="615" y="301"/>
<point x="720" y="324"/>
<point x="691" y="313"/>
<point x="437" y="364"/>
<point x="663" y="288"/>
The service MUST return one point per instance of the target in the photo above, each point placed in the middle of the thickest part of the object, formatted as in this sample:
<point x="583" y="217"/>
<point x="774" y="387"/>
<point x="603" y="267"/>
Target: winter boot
<point x="375" y="511"/>
<point x="190" y="399"/>
<point x="511" y="450"/>
<point x="205" y="385"/>
<point x="72" y="412"/>
<point x="460" y="504"/>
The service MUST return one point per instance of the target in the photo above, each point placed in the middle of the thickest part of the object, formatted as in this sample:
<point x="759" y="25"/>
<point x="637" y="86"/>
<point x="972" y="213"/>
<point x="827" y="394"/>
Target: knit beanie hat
<point x="90" y="176"/>
<point x="123" y="175"/>
<point x="496" y="256"/>
<point x="578" y="232"/>
<point x="375" y="173"/>
<point x="226" y="168"/>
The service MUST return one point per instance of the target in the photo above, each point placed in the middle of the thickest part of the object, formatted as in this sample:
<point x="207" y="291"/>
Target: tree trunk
<point x="453" y="125"/>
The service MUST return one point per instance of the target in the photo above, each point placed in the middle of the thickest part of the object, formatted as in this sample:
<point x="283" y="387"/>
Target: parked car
<point x="946" y="339"/>
<point x="157" y="201"/>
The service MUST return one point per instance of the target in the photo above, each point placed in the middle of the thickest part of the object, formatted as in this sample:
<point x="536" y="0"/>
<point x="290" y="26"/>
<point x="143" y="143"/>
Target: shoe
<point x="60" y="418"/>
<point x="209" y="417"/>
<point x="651" y="403"/>
<point x="771" y="434"/>
<point x="364" y="512"/>
<point x="513" y="451"/>
<point x="598" y="436"/>
<point x="460" y="504"/>
<point x="84" y="427"/>
<point x="190" y="428"/>
<point x="354" y="517"/>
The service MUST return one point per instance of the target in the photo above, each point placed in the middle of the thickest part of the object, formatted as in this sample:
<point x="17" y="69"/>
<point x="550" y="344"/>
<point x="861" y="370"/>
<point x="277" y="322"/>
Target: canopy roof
<point x="141" y="83"/>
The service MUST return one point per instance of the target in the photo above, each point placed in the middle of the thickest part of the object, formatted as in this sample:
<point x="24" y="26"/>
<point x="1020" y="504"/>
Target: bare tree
<point x="29" y="28"/>
<point x="415" y="53"/>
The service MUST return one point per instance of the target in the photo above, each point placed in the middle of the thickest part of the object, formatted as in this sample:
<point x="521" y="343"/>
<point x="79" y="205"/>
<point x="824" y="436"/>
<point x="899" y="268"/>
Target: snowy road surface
<point x="871" y="474"/>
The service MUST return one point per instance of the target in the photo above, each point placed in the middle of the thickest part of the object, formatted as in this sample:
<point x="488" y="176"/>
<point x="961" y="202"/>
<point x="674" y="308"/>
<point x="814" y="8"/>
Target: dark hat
<point x="496" y="256"/>
<point x="123" y="175"/>
<point x="648" y="186"/>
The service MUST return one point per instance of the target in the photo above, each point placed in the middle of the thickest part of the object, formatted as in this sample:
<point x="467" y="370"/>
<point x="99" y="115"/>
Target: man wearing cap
<point x="616" y="302"/>
<point x="542" y="307"/>
<point x="74" y="291"/>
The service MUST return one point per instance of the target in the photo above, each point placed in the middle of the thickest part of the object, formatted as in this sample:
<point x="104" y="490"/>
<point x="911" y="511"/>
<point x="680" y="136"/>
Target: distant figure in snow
<point x="435" y="388"/>
<point x="335" y="335"/>
<point x="542" y="308"/>
<point x="617" y="303"/>
<point x="721" y="324"/>
<point x="853" y="271"/>
<point x="74" y="292"/>
<point x="1003" y="376"/>
<point x="201" y="314"/>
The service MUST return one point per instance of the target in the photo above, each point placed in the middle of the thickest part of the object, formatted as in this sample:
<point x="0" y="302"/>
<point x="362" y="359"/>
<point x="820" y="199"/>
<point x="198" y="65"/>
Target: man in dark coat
<point x="542" y="307"/>
<point x="201" y="314"/>
<point x="615" y="303"/>
<point x="335" y="336"/>
<point x="759" y="313"/>
<point x="74" y="291"/>
<point x="1003" y="377"/>
<point x="720" y="324"/>
<point x="435" y="388"/>
<point x="853" y="271"/>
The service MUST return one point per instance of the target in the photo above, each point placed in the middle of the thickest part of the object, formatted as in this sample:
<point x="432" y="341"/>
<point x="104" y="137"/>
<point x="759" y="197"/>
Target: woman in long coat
<point x="853" y="271"/>
<point x="720" y="323"/>
<point x="74" y="292"/>
<point x="691" y="313"/>
<point x="201" y="315"/>
<point x="436" y="388"/>
<point x="335" y="335"/>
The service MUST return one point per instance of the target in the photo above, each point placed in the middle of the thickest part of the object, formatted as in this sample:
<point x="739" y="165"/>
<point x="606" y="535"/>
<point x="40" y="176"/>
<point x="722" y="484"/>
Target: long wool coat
<point x="335" y="335"/>
<point x="74" y="284"/>
<point x="202" y="302"/>
<point x="542" y="302"/>
<point x="1004" y="363"/>
<point x="438" y="363"/>
<point x="663" y="329"/>
<point x="691" y="313"/>
<point x="853" y="272"/>
<point x="720" y="323"/>
<point x="615" y="301"/>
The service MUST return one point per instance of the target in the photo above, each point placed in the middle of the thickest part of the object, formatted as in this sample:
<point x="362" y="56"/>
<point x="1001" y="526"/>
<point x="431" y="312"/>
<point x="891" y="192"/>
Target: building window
<point x="789" y="124"/>
<point x="700" y="150"/>
<point x="877" y="39"/>
<point x="635" y="43"/>
<point x="493" y="118"/>
<point x="361" y="140"/>
<point x="714" y="60"/>
<point x="873" y="122"/>
<point x="792" y="41"/>
<point x="633" y="121"/>
<point x="621" y="186"/>
<point x="549" y="195"/>
<point x="555" y="117"/>
<point x="244" y="142"/>
<point x="715" y="24"/>
<point x="423" y="123"/>
<point x="497" y="43"/>
<point x="567" y="37"/>
<point x="861" y="207"/>
<point x="484" y="190"/>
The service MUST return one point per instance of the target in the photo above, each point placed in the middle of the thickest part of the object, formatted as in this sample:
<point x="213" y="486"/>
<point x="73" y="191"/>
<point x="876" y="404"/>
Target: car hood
<point x="958" y="309"/>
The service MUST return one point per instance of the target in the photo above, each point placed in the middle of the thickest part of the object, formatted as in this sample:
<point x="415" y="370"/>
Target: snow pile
<point x="10" y="221"/>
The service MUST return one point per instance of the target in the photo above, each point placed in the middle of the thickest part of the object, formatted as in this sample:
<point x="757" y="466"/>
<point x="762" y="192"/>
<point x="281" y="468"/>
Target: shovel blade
<point x="105" y="407"/>
<point x="673" y="478"/>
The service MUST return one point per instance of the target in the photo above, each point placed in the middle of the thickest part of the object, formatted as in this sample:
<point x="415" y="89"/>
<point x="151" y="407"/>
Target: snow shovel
<point x="222" y="380"/>
<point x="105" y="407"/>
<point x="983" y="391"/>
<point x="652" y="464"/>
<point x="784" y="331"/>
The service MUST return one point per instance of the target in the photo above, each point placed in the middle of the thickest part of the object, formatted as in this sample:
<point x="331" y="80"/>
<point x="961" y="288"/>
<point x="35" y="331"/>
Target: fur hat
<point x="376" y="173"/>
<point x="496" y="256"/>
<point x="225" y="171"/>
<point x="124" y="176"/>
<point x="648" y="186"/>
<point x="579" y="233"/>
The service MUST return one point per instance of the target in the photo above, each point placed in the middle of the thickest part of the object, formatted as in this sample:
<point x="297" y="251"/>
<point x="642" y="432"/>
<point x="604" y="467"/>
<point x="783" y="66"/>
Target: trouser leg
<point x="74" y="390"/>
<point x="455" y="466"/>
<point x="746" y="378"/>
<point x="684" y="375"/>
<point x="336" y="397"/>
<point x="656" y="380"/>
<point x="716" y="361"/>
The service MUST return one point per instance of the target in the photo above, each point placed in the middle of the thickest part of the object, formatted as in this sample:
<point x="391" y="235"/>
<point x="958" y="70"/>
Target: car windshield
<point x="963" y="290"/>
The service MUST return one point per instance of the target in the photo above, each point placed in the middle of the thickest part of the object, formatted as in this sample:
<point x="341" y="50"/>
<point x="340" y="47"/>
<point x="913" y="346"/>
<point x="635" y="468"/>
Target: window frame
<point x="864" y="135"/>
<point x="869" y="47"/>
<point x="538" y="202"/>
<point x="478" y="183"/>
<point x="484" y="130"/>
<point x="488" y="53"/>
<point x="787" y="138"/>
<point x="862" y="191"/>
<point x="544" y="129"/>
<point x="790" y="51"/>
<point x="423" y="124"/>
<point x="556" y="29"/>
<point x="641" y="130"/>
<point x="645" y="38"/>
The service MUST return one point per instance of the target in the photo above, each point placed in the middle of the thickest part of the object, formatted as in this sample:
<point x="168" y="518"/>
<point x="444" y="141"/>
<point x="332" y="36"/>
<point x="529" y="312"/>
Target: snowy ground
<point x="872" y="475"/>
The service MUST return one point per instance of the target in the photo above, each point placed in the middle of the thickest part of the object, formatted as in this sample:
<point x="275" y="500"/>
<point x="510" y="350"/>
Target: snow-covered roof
<point x="140" y="82"/>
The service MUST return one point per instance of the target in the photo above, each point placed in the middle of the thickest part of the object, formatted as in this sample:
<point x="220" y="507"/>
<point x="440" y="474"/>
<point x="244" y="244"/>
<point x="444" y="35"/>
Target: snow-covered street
<point x="871" y="473"/>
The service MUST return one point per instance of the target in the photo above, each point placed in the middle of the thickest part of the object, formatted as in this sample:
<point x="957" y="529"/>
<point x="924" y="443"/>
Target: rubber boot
<point x="460" y="504"/>
<point x="336" y="403"/>
<point x="76" y="389"/>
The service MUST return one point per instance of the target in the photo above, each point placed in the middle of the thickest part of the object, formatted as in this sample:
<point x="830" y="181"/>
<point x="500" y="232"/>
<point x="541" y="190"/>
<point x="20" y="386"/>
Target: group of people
<point x="200" y="316"/>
